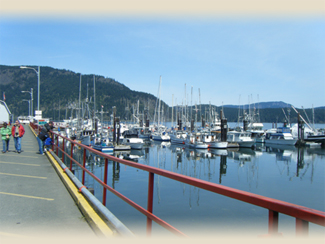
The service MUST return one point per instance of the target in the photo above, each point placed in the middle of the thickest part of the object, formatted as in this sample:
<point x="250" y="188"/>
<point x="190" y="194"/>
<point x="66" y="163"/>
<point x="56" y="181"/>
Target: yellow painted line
<point x="19" y="163"/>
<point x="98" y="225"/>
<point x="20" y="195"/>
<point x="18" y="155"/>
<point x="29" y="176"/>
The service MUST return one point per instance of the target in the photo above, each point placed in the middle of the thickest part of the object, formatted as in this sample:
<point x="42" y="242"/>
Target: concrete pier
<point x="34" y="200"/>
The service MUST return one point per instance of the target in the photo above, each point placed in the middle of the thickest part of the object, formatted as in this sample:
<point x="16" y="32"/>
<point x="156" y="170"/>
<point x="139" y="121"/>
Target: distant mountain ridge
<point x="263" y="105"/>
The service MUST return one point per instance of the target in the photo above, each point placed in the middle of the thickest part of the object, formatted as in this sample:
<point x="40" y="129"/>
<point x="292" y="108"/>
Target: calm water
<point x="294" y="175"/>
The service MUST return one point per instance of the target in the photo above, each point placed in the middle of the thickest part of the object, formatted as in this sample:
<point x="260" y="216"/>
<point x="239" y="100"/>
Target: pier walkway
<point x="34" y="200"/>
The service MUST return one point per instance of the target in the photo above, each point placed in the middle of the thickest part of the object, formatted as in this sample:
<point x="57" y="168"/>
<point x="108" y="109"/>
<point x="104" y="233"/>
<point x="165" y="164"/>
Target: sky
<point x="207" y="58"/>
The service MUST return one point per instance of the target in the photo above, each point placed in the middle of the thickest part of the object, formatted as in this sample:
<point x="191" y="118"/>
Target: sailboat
<point x="160" y="134"/>
<point x="196" y="139"/>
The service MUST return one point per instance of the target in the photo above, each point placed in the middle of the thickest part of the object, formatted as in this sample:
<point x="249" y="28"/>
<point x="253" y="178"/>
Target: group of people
<point x="17" y="131"/>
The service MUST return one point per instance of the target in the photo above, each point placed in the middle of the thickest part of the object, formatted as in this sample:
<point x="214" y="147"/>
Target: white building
<point x="4" y="112"/>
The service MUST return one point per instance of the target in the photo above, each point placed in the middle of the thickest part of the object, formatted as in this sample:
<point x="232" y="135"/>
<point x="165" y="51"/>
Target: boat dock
<point x="37" y="200"/>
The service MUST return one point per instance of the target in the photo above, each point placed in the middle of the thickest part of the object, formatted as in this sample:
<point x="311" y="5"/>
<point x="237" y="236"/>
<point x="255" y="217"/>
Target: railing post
<point x="57" y="144"/>
<point x="84" y="165"/>
<point x="71" y="155"/>
<point x="52" y="142"/>
<point x="273" y="222"/>
<point x="63" y="149"/>
<point x="105" y="181"/>
<point x="302" y="227"/>
<point x="150" y="202"/>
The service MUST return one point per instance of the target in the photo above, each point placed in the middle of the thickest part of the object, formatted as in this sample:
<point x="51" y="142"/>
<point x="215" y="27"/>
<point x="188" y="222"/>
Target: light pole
<point x="32" y="100"/>
<point x="28" y="105"/>
<point x="38" y="79"/>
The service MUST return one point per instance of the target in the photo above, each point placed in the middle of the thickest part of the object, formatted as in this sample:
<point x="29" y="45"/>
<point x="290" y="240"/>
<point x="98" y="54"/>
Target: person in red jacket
<point x="17" y="132"/>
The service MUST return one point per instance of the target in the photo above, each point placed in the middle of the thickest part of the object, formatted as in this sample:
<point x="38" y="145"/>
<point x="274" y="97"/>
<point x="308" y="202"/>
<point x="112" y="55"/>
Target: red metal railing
<point x="302" y="214"/>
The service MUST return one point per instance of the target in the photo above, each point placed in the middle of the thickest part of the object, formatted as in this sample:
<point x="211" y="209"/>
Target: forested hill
<point x="59" y="91"/>
<point x="62" y="87"/>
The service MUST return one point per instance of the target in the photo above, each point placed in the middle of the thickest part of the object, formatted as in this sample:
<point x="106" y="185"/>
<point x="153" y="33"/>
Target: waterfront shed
<point x="4" y="113"/>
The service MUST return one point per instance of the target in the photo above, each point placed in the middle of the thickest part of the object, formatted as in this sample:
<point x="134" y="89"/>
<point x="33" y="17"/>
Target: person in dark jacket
<point x="45" y="133"/>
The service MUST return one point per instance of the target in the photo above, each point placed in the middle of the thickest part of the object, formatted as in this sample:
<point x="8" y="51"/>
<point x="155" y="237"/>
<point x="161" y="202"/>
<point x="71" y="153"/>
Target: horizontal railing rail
<point x="303" y="215"/>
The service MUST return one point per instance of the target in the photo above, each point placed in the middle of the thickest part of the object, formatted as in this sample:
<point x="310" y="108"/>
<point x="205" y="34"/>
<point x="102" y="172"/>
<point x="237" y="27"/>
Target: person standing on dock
<point x="5" y="132"/>
<point x="45" y="133"/>
<point x="17" y="131"/>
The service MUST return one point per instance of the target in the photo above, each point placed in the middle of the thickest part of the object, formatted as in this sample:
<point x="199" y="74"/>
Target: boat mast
<point x="79" y="102"/>
<point x="159" y="103"/>
<point x="200" y="104"/>
<point x="94" y="97"/>
<point x="172" y="110"/>
<point x="191" y="102"/>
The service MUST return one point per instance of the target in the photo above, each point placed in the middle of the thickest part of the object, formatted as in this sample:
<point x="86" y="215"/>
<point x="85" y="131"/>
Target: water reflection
<point x="290" y="174"/>
<point x="180" y="159"/>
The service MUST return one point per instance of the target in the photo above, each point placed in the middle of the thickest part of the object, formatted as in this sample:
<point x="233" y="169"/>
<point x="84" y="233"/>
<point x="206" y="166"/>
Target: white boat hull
<point x="288" y="142"/>
<point x="197" y="145"/>
<point x="134" y="143"/>
<point x="103" y="148"/>
<point x="218" y="144"/>
<point x="160" y="137"/>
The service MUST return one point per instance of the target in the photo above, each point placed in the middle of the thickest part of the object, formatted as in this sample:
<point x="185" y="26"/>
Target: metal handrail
<point x="302" y="214"/>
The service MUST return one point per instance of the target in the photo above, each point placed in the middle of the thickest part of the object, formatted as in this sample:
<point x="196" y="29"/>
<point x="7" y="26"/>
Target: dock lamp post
<point x="31" y="99"/>
<point x="38" y="79"/>
<point x="28" y="105"/>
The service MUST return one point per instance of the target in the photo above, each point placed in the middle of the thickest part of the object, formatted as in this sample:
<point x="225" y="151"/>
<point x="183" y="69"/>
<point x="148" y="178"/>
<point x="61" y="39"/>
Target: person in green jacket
<point x="5" y="132"/>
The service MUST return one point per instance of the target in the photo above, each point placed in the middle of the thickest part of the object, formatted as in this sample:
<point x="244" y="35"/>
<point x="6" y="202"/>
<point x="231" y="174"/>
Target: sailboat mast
<point x="159" y="103"/>
<point x="172" y="110"/>
<point x="79" y="102"/>
<point x="94" y="97"/>
<point x="191" y="102"/>
<point x="200" y="104"/>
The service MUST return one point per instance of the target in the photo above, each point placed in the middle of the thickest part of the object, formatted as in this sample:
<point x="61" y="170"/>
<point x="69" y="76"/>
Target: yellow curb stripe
<point x="20" y="163"/>
<point x="20" y="195"/>
<point x="28" y="176"/>
<point x="98" y="225"/>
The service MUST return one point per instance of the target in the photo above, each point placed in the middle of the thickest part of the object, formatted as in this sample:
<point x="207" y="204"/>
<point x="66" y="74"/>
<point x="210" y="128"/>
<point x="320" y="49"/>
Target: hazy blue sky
<point x="231" y="61"/>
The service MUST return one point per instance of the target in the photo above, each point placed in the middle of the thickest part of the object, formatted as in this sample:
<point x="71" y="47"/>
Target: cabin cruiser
<point x="178" y="136"/>
<point x="213" y="139"/>
<point x="280" y="136"/>
<point x="239" y="139"/>
<point x="195" y="140"/>
<point x="130" y="137"/>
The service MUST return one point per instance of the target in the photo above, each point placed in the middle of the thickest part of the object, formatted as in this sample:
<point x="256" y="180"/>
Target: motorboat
<point x="178" y="136"/>
<point x="213" y="139"/>
<point x="195" y="140"/>
<point x="102" y="144"/>
<point x="160" y="135"/>
<point x="280" y="136"/>
<point x="258" y="134"/>
<point x="240" y="139"/>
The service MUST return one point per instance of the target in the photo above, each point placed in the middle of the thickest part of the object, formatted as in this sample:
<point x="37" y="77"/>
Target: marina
<point x="287" y="173"/>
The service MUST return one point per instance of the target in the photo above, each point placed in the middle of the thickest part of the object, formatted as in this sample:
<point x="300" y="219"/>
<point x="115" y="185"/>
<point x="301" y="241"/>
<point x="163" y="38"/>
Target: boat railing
<point x="302" y="215"/>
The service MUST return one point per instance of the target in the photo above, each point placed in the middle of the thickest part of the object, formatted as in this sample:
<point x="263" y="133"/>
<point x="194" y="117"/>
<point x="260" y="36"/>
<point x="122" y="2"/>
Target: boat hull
<point x="218" y="144"/>
<point x="103" y="148"/>
<point x="289" y="142"/>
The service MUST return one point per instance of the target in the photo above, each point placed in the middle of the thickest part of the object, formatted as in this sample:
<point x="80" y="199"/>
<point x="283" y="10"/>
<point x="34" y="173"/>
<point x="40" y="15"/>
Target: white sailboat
<point x="160" y="133"/>
<point x="196" y="139"/>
